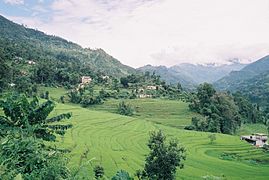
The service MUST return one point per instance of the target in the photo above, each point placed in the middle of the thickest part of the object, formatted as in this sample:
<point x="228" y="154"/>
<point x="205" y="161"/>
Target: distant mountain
<point x="190" y="75"/>
<point x="169" y="75"/>
<point x="235" y="79"/>
<point x="256" y="88"/>
<point x="24" y="43"/>
<point x="206" y="73"/>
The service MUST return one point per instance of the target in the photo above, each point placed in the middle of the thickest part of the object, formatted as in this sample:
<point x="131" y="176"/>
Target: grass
<point x="119" y="142"/>
<point x="252" y="128"/>
<point x="167" y="112"/>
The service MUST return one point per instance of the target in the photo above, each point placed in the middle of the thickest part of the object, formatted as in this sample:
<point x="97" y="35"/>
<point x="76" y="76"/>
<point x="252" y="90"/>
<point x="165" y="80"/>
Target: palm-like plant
<point x="31" y="117"/>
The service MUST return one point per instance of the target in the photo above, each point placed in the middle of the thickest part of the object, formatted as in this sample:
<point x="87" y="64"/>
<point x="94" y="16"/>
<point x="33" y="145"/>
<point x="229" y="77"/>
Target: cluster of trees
<point x="221" y="112"/>
<point x="86" y="96"/>
<point x="140" y="79"/>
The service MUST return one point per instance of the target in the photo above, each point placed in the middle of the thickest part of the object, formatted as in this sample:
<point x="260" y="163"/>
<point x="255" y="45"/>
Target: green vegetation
<point x="122" y="175"/>
<point x="107" y="136"/>
<point x="24" y="126"/>
<point x="161" y="111"/>
<point x="163" y="159"/>
<point x="233" y="81"/>
<point x="125" y="109"/>
<point x="98" y="172"/>
<point x="212" y="138"/>
<point x="222" y="112"/>
<point x="119" y="142"/>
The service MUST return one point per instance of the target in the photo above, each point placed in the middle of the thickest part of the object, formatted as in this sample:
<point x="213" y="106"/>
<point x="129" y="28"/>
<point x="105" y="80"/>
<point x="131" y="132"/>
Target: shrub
<point x="125" y="109"/>
<point x="98" y="172"/>
<point x="122" y="175"/>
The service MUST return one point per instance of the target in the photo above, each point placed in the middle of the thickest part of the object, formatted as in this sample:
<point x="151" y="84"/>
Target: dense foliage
<point x="221" y="112"/>
<point x="26" y="116"/>
<point x="35" y="57"/>
<point x="235" y="78"/>
<point x="122" y="175"/>
<point x="23" y="153"/>
<point x="163" y="159"/>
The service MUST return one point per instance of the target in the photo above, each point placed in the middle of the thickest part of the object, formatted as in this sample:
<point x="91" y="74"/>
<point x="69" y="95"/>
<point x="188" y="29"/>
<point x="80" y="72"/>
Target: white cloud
<point x="166" y="32"/>
<point x="14" y="2"/>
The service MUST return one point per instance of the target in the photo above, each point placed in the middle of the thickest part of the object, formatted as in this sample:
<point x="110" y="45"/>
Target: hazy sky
<point x="158" y="32"/>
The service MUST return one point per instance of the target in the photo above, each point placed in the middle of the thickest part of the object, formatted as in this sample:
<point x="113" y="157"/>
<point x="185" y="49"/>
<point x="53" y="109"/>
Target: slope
<point x="207" y="73"/>
<point x="235" y="78"/>
<point x="169" y="75"/>
<point x="119" y="142"/>
<point x="190" y="75"/>
<point x="20" y="43"/>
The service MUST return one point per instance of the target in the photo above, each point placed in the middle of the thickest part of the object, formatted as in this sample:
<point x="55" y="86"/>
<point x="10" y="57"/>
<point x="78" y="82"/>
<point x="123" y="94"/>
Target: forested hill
<point x="20" y="43"/>
<point x="235" y="79"/>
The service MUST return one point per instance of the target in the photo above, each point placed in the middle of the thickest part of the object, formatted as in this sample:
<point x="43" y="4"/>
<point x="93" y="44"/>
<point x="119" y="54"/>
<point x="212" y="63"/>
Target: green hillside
<point x="232" y="81"/>
<point x="18" y="43"/>
<point x="119" y="142"/>
<point x="256" y="88"/>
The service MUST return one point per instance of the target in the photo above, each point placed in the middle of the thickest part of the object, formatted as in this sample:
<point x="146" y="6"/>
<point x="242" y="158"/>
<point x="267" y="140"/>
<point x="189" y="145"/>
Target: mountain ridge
<point x="190" y="75"/>
<point x="232" y="81"/>
<point x="33" y="44"/>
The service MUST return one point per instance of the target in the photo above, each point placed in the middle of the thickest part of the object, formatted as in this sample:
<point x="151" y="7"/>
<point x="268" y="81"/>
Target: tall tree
<point x="163" y="159"/>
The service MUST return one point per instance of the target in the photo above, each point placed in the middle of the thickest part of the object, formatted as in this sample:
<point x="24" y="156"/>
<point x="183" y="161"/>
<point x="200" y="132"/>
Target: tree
<point x="163" y="159"/>
<point x="30" y="117"/>
<point x="212" y="138"/>
<point x="125" y="109"/>
<point x="98" y="172"/>
<point x="124" y="81"/>
<point x="23" y="127"/>
<point x="122" y="175"/>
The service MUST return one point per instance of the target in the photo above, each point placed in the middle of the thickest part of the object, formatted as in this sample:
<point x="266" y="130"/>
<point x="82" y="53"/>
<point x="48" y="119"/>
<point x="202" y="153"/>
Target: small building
<point x="151" y="87"/>
<point x="12" y="84"/>
<point x="145" y="96"/>
<point x="140" y="90"/>
<point x="256" y="139"/>
<point x="86" y="79"/>
<point x="105" y="77"/>
<point x="31" y="62"/>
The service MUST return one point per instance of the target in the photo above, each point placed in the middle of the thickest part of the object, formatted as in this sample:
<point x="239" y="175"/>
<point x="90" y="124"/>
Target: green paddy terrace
<point x="119" y="142"/>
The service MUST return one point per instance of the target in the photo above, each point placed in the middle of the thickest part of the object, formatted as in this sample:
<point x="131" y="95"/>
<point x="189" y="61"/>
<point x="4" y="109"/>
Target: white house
<point x="151" y="87"/>
<point x="86" y="79"/>
<point x="31" y="62"/>
<point x="256" y="139"/>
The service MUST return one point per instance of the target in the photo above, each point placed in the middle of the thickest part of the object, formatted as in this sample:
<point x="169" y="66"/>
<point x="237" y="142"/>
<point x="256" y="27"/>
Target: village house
<point x="145" y="96"/>
<point x="86" y="79"/>
<point x="256" y="139"/>
<point x="105" y="77"/>
<point x="31" y="62"/>
<point x="151" y="87"/>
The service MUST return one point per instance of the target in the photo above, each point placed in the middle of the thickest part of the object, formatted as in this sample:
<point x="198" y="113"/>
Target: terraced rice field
<point x="119" y="142"/>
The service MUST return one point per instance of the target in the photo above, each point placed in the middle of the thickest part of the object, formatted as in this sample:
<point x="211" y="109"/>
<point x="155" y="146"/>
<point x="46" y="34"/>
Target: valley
<point x="69" y="112"/>
<point x="119" y="142"/>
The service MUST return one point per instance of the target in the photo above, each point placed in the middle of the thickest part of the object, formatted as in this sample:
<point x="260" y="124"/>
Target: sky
<point x="157" y="32"/>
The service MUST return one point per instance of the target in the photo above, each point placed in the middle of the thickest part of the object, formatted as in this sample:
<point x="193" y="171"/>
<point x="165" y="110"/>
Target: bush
<point x="98" y="172"/>
<point x="125" y="109"/>
<point x="90" y="100"/>
<point x="122" y="175"/>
